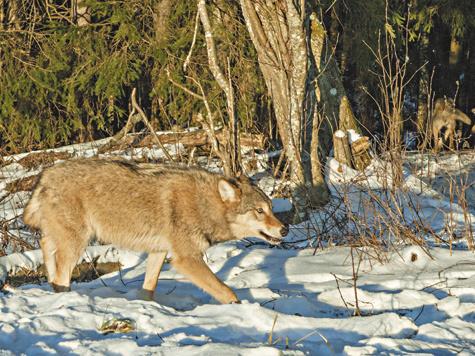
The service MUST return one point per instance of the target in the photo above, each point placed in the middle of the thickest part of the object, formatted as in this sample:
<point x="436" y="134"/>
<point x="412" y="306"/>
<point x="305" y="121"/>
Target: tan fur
<point x="445" y="115"/>
<point x="148" y="208"/>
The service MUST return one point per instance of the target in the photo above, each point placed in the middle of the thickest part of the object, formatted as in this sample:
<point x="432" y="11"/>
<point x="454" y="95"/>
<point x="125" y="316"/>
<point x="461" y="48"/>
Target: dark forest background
<point x="67" y="68"/>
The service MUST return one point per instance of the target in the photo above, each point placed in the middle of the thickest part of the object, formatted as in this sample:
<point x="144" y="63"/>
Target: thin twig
<point x="131" y="121"/>
<point x="187" y="60"/>
<point x="323" y="337"/>
<point x="152" y="131"/>
<point x="341" y="295"/>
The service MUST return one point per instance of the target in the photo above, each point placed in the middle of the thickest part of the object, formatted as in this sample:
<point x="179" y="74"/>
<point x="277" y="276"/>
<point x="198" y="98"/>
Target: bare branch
<point x="152" y="131"/>
<point x="212" y="58"/>
<point x="187" y="60"/>
<point x="131" y="121"/>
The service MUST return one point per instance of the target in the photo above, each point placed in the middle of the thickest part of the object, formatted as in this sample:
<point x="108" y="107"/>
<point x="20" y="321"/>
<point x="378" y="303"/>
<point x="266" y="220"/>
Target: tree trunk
<point x="359" y="153"/>
<point x="455" y="50"/>
<point x="161" y="11"/>
<point x="320" y="192"/>
<point x="160" y="15"/>
<point x="2" y="16"/>
<point x="230" y="154"/>
<point x="342" y="148"/>
<point x="423" y="101"/>
<point x="298" y="76"/>
<point x="330" y="91"/>
<point x="279" y="35"/>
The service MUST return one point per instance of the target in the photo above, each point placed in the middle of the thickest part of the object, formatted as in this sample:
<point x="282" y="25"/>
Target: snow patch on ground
<point x="417" y="300"/>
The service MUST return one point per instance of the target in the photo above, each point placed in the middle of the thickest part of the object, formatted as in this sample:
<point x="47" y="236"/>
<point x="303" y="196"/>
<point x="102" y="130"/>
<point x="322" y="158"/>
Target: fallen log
<point x="190" y="139"/>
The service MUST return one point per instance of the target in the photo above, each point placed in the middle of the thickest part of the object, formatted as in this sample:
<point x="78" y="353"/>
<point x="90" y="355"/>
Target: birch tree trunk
<point x="279" y="36"/>
<point x="298" y="75"/>
<point x="230" y="155"/>
<point x="423" y="99"/>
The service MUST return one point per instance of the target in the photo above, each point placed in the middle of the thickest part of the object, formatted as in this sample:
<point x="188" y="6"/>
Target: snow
<point x="423" y="305"/>
<point x="340" y="133"/>
<point x="413" y="299"/>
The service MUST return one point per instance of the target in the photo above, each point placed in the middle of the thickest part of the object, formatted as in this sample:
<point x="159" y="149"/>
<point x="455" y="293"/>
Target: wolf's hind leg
<point x="437" y="144"/>
<point x="68" y="253"/>
<point x="450" y="134"/>
<point x="49" y="256"/>
<point x="155" y="262"/>
<point x="196" y="270"/>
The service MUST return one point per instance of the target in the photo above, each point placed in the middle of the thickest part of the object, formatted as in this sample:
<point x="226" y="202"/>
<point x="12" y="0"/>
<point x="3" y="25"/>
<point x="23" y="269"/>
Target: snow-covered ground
<point x="297" y="299"/>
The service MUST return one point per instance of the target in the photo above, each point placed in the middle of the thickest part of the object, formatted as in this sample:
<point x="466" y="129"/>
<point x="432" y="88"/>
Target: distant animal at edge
<point x="444" y="121"/>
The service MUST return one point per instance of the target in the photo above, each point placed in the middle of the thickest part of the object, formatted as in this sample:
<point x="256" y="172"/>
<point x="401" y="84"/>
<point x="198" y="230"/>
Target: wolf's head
<point x="250" y="211"/>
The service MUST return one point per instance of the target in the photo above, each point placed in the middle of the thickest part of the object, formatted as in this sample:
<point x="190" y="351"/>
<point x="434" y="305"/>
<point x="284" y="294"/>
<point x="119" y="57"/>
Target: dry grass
<point x="25" y="184"/>
<point x="83" y="272"/>
<point x="36" y="159"/>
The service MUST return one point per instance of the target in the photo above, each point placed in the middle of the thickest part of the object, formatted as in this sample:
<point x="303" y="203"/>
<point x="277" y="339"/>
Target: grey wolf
<point x="445" y="116"/>
<point x="147" y="208"/>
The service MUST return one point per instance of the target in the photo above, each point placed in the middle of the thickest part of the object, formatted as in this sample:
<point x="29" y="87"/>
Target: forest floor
<point x="384" y="269"/>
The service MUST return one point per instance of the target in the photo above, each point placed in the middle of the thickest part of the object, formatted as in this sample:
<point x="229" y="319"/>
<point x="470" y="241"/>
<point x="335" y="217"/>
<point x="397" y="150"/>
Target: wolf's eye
<point x="260" y="210"/>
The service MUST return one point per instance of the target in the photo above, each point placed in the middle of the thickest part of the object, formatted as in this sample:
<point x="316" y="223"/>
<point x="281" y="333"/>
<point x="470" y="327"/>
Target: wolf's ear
<point x="229" y="193"/>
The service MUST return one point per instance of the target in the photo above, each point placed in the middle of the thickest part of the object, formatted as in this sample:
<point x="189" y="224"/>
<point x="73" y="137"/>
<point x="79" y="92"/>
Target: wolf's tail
<point x="32" y="214"/>
<point x="460" y="116"/>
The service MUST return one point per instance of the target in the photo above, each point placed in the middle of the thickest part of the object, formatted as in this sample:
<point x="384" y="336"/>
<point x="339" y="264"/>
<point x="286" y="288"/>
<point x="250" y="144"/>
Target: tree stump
<point x="355" y="155"/>
<point x="341" y="148"/>
<point x="360" y="158"/>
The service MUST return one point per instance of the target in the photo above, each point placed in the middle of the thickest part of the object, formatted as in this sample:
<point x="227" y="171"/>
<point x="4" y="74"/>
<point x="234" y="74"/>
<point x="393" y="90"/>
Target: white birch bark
<point x="298" y="76"/>
<point x="278" y="33"/>
<point x="231" y="165"/>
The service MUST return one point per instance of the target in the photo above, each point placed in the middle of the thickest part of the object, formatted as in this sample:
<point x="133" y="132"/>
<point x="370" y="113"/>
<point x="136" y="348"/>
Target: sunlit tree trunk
<point x="423" y="94"/>
<point x="161" y="14"/>
<point x="455" y="51"/>
<point x="2" y="15"/>
<point x="330" y="91"/>
<point x="2" y="28"/>
<point x="299" y="76"/>
<point x="279" y="34"/>
<point x="229" y="154"/>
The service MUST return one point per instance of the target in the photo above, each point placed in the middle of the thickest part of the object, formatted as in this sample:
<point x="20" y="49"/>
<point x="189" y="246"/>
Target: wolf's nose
<point x="284" y="232"/>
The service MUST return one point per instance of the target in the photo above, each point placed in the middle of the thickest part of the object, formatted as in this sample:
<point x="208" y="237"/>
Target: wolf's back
<point x="100" y="195"/>
<point x="445" y="113"/>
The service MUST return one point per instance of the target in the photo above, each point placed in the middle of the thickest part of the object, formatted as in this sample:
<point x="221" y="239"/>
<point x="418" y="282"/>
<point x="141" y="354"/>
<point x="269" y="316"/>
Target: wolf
<point x="445" y="116"/>
<point x="149" y="208"/>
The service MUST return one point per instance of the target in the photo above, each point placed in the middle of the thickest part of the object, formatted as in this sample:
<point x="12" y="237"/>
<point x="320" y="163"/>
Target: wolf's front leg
<point x="196" y="270"/>
<point x="49" y="256"/>
<point x="154" y="266"/>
